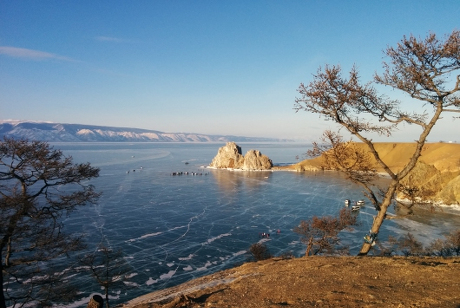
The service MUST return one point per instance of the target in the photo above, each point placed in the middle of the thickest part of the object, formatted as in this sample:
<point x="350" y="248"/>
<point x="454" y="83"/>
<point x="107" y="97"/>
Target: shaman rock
<point x="254" y="160"/>
<point x="229" y="156"/>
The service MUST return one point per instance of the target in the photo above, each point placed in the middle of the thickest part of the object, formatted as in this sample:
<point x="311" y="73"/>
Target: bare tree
<point x="38" y="186"/>
<point x="108" y="267"/>
<point x="321" y="234"/>
<point x="448" y="247"/>
<point x="425" y="69"/>
<point x="353" y="161"/>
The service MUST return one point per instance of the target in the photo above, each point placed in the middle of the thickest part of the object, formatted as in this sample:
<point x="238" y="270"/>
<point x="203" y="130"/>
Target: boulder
<point x="96" y="302"/>
<point x="254" y="160"/>
<point x="230" y="156"/>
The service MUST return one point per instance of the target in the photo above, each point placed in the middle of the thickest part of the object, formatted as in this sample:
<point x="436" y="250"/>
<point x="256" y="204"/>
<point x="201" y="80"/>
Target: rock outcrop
<point x="450" y="194"/>
<point x="432" y="184"/>
<point x="254" y="160"/>
<point x="230" y="156"/>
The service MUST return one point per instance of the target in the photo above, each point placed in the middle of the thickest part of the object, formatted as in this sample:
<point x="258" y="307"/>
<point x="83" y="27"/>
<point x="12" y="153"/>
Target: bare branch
<point x="422" y="68"/>
<point x="38" y="186"/>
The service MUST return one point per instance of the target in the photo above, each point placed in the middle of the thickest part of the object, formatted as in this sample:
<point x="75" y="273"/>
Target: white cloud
<point x="110" y="39"/>
<point x="31" y="54"/>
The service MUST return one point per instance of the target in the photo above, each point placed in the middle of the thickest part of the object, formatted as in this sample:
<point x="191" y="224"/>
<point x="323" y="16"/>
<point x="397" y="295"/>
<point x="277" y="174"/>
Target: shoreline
<point x="453" y="208"/>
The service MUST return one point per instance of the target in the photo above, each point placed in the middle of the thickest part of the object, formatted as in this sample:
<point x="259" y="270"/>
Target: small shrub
<point x="409" y="246"/>
<point x="259" y="252"/>
<point x="321" y="234"/>
<point x="446" y="248"/>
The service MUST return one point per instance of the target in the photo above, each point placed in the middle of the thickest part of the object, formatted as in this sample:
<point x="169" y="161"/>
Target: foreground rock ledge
<point x="320" y="282"/>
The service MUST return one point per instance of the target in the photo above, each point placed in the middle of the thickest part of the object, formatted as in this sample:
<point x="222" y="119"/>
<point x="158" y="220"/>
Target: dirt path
<point x="320" y="282"/>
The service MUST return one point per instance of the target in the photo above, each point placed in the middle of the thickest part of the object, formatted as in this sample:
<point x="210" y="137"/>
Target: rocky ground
<point x="320" y="282"/>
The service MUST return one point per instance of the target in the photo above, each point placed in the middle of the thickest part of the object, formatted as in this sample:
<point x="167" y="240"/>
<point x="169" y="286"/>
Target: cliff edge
<point x="319" y="282"/>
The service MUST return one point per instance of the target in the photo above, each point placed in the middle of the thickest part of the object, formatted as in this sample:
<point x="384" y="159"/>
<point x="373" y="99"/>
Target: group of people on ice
<point x="267" y="235"/>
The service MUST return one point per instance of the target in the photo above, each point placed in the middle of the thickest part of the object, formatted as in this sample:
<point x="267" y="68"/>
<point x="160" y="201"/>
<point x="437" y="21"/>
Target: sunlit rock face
<point x="432" y="185"/>
<point x="450" y="193"/>
<point x="254" y="160"/>
<point x="229" y="156"/>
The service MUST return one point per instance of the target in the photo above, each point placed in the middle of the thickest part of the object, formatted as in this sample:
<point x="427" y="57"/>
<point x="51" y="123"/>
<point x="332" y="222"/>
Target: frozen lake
<point x="174" y="228"/>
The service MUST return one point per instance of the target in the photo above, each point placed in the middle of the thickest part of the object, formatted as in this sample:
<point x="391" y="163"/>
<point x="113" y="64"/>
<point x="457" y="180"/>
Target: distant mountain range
<point x="60" y="132"/>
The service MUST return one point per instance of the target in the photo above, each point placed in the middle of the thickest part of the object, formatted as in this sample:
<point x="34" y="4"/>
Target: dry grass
<point x="444" y="156"/>
<point x="320" y="282"/>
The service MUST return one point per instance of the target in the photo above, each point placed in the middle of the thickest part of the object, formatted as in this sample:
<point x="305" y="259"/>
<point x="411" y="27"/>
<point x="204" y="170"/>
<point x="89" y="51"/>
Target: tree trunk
<point x="2" y="295"/>
<point x="309" y="246"/>
<point x="106" y="297"/>
<point x="380" y="216"/>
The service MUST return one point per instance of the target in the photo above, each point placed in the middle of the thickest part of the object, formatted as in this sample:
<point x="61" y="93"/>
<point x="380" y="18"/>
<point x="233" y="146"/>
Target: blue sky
<point x="212" y="67"/>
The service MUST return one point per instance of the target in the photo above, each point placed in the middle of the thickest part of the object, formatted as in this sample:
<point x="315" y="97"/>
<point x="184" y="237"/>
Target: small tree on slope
<point x="108" y="267"/>
<point x="426" y="69"/>
<point x="321" y="234"/>
<point x="38" y="185"/>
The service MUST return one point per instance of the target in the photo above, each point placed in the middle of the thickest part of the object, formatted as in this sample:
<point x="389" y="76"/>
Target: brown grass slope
<point x="437" y="173"/>
<point x="320" y="282"/>
<point x="444" y="156"/>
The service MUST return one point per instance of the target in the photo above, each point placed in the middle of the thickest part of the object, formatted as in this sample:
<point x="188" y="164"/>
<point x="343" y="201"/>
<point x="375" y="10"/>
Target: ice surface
<point x="175" y="228"/>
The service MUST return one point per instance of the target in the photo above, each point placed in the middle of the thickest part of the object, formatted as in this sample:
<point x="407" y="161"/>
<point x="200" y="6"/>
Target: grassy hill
<point x="437" y="174"/>
<point x="443" y="156"/>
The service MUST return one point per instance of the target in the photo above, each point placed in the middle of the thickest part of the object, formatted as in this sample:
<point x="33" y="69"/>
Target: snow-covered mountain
<point x="59" y="132"/>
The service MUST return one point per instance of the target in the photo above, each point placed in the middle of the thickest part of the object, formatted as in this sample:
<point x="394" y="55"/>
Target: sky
<point x="210" y="67"/>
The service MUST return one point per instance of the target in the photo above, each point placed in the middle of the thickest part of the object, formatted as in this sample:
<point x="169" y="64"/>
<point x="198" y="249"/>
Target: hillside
<point x="59" y="132"/>
<point x="443" y="156"/>
<point x="437" y="174"/>
<point x="319" y="282"/>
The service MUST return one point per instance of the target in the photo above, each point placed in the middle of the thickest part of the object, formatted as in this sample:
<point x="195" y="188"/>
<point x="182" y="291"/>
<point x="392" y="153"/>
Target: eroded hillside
<point x="437" y="175"/>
